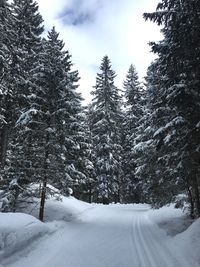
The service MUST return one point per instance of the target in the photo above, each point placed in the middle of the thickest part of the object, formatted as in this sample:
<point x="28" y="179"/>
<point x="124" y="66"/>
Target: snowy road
<point x="105" y="236"/>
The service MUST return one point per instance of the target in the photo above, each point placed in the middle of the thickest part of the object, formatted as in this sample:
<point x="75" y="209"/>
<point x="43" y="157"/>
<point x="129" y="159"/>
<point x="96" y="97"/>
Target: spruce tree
<point x="23" y="29"/>
<point x="178" y="134"/>
<point x="85" y="188"/>
<point x="28" y="28"/>
<point x="24" y="47"/>
<point x="7" y="90"/>
<point x="132" y="116"/>
<point x="153" y="167"/>
<point x="8" y="101"/>
<point x="53" y="122"/>
<point x="106" y="134"/>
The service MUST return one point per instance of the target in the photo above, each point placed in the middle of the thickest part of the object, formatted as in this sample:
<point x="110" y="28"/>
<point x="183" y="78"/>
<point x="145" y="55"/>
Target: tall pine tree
<point x="7" y="90"/>
<point x="178" y="133"/>
<point x="24" y="47"/>
<point x="106" y="134"/>
<point x="132" y="115"/>
<point x="53" y="122"/>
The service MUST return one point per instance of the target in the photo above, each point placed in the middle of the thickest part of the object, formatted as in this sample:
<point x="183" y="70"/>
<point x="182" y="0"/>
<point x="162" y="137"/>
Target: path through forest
<point x="105" y="236"/>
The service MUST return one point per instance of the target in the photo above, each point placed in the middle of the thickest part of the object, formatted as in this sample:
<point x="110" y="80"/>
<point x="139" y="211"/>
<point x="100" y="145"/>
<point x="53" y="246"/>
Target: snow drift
<point x="189" y="241"/>
<point x="17" y="230"/>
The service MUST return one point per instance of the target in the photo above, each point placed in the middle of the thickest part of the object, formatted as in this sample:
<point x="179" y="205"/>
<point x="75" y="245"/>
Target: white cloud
<point x="93" y="28"/>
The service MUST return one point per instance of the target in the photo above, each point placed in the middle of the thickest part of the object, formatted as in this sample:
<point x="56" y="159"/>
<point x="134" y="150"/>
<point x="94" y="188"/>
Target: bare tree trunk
<point x="197" y="197"/>
<point x="16" y="195"/>
<point x="191" y="202"/>
<point x="119" y="196"/>
<point x="42" y="200"/>
<point x="3" y="145"/>
<point x="90" y="193"/>
<point x="44" y="182"/>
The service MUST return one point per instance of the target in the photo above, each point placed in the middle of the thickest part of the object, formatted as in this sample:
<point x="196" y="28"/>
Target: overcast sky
<point x="94" y="28"/>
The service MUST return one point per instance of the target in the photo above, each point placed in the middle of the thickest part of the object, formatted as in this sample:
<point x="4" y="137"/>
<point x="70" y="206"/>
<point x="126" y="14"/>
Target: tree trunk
<point x="191" y="202"/>
<point x="197" y="197"/>
<point x="16" y="195"/>
<point x="90" y="193"/>
<point x="42" y="200"/>
<point x="44" y="182"/>
<point x="119" y="196"/>
<point x="3" y="146"/>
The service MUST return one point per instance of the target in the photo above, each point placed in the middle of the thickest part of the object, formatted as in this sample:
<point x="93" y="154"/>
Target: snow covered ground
<point x="94" y="235"/>
<point x="16" y="230"/>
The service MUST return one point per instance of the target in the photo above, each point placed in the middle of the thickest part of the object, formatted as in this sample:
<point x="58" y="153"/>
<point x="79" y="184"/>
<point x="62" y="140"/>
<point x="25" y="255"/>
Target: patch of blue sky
<point x="75" y="18"/>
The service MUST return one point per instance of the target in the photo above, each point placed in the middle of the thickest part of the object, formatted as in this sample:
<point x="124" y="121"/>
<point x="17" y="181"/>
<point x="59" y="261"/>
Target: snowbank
<point x="66" y="209"/>
<point x="165" y="213"/>
<point x="69" y="209"/>
<point x="172" y="220"/>
<point x="17" y="230"/>
<point x="189" y="241"/>
<point x="183" y="233"/>
<point x="57" y="206"/>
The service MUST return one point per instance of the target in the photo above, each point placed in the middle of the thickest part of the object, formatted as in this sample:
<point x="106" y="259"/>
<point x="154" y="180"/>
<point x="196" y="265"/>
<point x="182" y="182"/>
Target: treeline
<point x="136" y="144"/>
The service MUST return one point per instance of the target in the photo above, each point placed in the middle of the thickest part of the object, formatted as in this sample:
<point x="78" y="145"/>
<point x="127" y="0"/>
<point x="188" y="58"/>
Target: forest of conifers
<point x="138" y="143"/>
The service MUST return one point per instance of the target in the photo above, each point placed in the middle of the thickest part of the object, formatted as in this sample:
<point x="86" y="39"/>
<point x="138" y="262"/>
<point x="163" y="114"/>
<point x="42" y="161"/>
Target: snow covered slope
<point x="189" y="241"/>
<point x="17" y="231"/>
<point x="68" y="209"/>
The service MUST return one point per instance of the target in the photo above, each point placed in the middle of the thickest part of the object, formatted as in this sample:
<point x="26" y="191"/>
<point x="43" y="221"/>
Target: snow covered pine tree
<point x="24" y="44"/>
<point x="133" y="94"/>
<point x="106" y="118"/>
<point x="53" y="120"/>
<point x="178" y="137"/>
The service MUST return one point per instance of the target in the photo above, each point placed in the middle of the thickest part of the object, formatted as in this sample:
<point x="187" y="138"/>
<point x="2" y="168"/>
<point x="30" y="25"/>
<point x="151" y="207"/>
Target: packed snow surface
<point x="112" y="236"/>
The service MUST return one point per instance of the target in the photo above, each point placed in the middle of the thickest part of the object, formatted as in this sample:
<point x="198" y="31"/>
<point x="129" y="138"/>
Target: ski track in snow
<point x="105" y="236"/>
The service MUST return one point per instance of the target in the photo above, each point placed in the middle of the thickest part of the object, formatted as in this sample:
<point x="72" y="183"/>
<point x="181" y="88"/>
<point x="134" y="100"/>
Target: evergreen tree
<point x="53" y="122"/>
<point x="28" y="29"/>
<point x="6" y="89"/>
<point x="106" y="134"/>
<point x="8" y="101"/>
<point x="22" y="26"/>
<point x="153" y="157"/>
<point x="133" y="113"/>
<point x="24" y="47"/>
<point x="86" y="189"/>
<point x="178" y="133"/>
